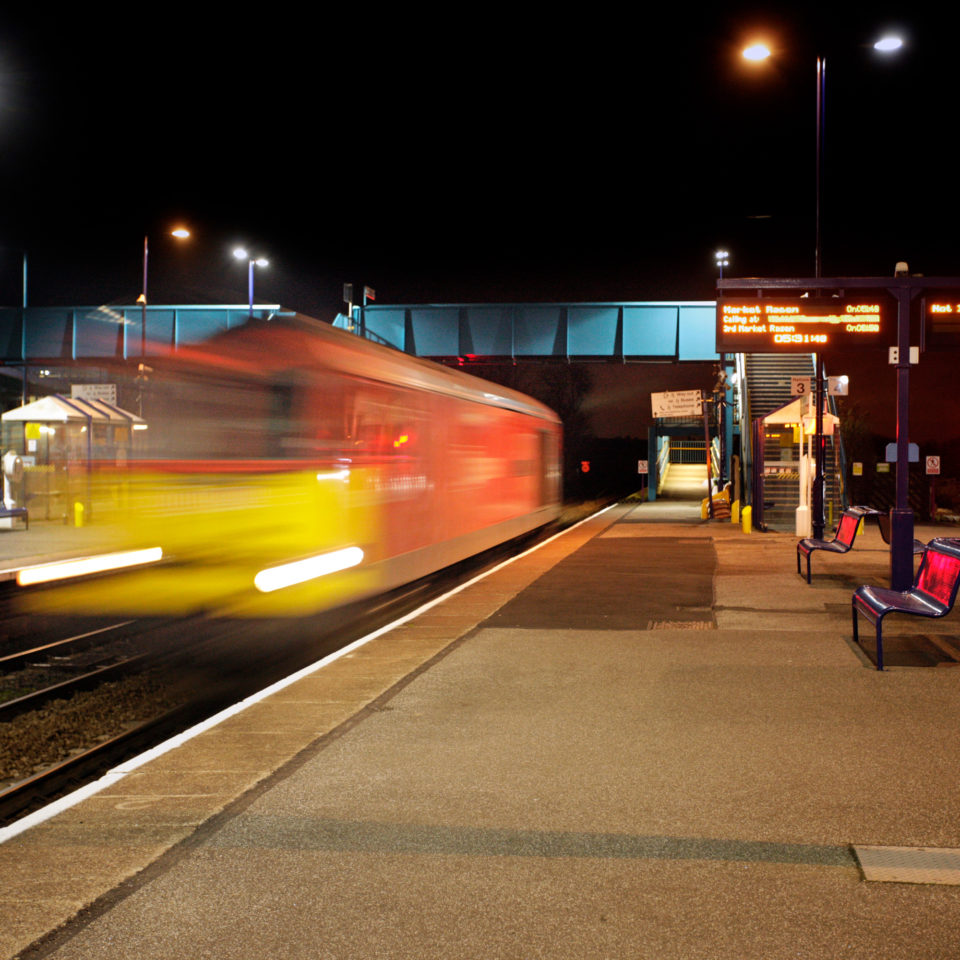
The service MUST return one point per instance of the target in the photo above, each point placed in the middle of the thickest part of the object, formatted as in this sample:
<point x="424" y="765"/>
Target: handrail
<point x="841" y="455"/>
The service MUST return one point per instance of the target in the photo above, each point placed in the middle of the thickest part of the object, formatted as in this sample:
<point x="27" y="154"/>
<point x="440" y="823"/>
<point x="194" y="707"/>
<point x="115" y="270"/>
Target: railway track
<point x="31" y="678"/>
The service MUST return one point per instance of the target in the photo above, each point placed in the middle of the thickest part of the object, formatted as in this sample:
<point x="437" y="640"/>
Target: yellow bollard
<point x="735" y="511"/>
<point x="78" y="514"/>
<point x="746" y="519"/>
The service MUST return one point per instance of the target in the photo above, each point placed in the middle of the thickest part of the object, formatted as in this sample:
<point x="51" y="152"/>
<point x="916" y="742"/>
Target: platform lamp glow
<point x="241" y="254"/>
<point x="722" y="258"/>
<point x="758" y="52"/>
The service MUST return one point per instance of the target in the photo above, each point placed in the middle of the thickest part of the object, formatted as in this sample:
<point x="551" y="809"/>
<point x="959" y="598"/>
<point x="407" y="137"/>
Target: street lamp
<point x="722" y="258"/>
<point x="241" y="254"/>
<point x="181" y="233"/>
<point x="759" y="52"/>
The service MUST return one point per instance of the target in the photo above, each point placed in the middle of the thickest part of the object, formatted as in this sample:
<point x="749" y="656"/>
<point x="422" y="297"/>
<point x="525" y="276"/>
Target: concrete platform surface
<point x="645" y="739"/>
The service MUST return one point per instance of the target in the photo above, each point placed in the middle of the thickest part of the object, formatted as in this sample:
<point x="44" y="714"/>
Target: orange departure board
<point x="803" y="325"/>
<point x="944" y="313"/>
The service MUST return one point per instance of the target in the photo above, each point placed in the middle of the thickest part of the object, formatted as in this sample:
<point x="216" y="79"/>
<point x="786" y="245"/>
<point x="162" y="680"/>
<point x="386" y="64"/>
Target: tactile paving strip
<point x="910" y="864"/>
<point x="679" y="625"/>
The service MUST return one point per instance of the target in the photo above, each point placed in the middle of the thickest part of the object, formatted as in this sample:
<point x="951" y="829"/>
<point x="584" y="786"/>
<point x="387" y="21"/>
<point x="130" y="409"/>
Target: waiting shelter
<point x="58" y="439"/>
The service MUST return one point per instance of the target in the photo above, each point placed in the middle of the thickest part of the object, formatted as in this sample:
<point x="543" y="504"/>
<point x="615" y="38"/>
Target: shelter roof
<point x="797" y="410"/>
<point x="59" y="409"/>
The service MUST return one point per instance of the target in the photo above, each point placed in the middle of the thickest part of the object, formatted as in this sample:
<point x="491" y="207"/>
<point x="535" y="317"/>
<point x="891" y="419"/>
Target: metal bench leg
<point x="856" y="633"/>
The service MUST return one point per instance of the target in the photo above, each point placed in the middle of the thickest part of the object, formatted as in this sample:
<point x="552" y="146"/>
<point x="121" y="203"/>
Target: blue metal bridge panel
<point x="487" y="331"/>
<point x="388" y="325"/>
<point x="99" y="332"/>
<point x="192" y="326"/>
<point x="592" y="331"/>
<point x="436" y="331"/>
<point x="161" y="333"/>
<point x="650" y="331"/>
<point x="698" y="333"/>
<point x="538" y="332"/>
<point x="50" y="334"/>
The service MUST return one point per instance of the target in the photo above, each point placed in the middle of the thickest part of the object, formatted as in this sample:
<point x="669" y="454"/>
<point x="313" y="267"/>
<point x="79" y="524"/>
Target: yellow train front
<point x="291" y="467"/>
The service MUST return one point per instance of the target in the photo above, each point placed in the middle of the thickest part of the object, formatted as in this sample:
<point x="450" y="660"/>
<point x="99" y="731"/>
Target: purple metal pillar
<point x="901" y="516"/>
<point x="819" y="489"/>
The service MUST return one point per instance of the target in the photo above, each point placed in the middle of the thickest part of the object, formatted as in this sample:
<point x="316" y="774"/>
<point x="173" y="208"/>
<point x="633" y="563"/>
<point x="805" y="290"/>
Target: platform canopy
<point x="59" y="409"/>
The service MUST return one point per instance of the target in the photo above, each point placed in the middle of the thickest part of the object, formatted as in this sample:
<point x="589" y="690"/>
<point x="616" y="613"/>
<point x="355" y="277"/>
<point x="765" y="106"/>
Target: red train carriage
<point x="291" y="467"/>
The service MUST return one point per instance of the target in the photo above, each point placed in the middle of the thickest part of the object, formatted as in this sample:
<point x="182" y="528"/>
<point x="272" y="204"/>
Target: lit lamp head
<point x="888" y="44"/>
<point x="722" y="259"/>
<point x="242" y="254"/>
<point x="756" y="52"/>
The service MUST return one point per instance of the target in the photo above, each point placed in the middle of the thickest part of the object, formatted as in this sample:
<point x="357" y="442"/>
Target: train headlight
<point x="84" y="566"/>
<point x="300" y="571"/>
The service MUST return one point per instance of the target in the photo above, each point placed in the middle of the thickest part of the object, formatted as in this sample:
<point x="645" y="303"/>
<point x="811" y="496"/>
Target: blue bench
<point x="932" y="595"/>
<point x="841" y="542"/>
<point x="15" y="512"/>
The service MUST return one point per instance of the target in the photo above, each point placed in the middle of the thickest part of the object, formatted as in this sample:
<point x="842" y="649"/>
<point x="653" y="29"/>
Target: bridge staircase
<point x="767" y="379"/>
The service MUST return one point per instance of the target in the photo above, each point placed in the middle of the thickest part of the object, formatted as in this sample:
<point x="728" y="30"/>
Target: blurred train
<point x="288" y="467"/>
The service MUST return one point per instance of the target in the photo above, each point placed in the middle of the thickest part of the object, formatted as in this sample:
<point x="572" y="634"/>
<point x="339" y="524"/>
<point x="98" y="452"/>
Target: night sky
<point x="461" y="154"/>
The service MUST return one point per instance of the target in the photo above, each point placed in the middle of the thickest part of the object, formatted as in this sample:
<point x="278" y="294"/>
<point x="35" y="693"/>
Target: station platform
<point x="647" y="738"/>
<point x="43" y="541"/>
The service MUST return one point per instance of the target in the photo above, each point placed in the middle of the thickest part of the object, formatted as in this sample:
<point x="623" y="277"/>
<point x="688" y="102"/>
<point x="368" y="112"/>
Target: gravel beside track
<point x="34" y="741"/>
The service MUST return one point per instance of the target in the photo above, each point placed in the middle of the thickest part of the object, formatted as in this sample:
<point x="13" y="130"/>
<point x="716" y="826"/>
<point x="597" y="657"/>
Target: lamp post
<point x="241" y="254"/>
<point x="758" y="52"/>
<point x="181" y="233"/>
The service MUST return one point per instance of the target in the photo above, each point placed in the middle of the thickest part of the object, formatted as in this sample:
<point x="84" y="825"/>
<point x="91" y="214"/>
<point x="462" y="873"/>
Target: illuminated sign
<point x="804" y="325"/>
<point x="943" y="316"/>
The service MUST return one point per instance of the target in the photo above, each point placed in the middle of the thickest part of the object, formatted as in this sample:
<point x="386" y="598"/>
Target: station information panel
<point x="943" y="314"/>
<point x="801" y="325"/>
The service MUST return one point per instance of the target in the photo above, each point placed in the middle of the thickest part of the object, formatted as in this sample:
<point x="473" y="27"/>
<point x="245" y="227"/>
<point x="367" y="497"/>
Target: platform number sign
<point x="800" y="386"/>
<point x="933" y="465"/>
